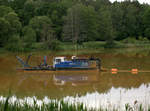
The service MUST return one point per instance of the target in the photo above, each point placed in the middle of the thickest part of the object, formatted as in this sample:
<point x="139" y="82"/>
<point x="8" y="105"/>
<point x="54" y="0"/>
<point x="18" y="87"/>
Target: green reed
<point x="52" y="106"/>
<point x="56" y="106"/>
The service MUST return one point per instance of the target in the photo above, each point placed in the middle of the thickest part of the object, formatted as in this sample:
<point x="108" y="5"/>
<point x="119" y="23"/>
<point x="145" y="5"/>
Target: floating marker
<point x="114" y="70"/>
<point x="134" y="71"/>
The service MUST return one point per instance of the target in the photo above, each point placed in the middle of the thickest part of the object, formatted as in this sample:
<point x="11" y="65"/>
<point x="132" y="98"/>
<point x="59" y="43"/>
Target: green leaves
<point x="29" y="35"/>
<point x="146" y="17"/>
<point x="50" y="21"/>
<point x="146" y="21"/>
<point x="9" y="26"/>
<point x="4" y="30"/>
<point x="42" y="26"/>
<point x="106" y="27"/>
<point x="5" y="10"/>
<point x="80" y="24"/>
<point x="14" y="44"/>
<point x="15" y="24"/>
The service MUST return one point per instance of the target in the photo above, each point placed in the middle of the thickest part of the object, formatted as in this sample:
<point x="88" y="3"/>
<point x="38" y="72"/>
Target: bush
<point x="93" y="45"/>
<point x="52" y="45"/>
<point x="143" y="39"/>
<point x="35" y="47"/>
<point x="130" y="40"/>
<point x="147" y="32"/>
<point x="14" y="44"/>
<point x="110" y="44"/>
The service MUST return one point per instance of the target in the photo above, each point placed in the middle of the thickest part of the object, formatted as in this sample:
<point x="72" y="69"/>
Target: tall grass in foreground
<point x="53" y="106"/>
<point x="58" y="106"/>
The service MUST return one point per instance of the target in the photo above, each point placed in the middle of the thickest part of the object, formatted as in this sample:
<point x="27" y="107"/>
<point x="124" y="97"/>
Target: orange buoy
<point x="114" y="70"/>
<point x="134" y="71"/>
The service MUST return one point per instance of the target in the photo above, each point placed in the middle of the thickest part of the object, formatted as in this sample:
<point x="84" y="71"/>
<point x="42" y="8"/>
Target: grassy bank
<point x="142" y="50"/>
<point x="124" y="46"/>
<point x="67" y="48"/>
<point x="102" y="45"/>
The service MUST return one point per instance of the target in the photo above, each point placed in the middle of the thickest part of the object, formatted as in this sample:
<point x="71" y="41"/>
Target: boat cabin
<point x="58" y="60"/>
<point x="62" y="62"/>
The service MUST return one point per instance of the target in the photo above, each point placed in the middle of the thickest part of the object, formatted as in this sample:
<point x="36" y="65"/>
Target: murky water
<point x="92" y="88"/>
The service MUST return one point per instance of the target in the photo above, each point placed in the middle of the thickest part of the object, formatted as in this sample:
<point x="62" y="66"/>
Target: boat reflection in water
<point x="75" y="79"/>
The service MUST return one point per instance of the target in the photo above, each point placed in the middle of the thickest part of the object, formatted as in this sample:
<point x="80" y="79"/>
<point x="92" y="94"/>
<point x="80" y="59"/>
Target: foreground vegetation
<point x="53" y="106"/>
<point x="58" y="106"/>
<point x="27" y="25"/>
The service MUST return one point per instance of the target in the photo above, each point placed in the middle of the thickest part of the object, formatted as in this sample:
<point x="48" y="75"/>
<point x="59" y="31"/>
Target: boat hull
<point x="57" y="69"/>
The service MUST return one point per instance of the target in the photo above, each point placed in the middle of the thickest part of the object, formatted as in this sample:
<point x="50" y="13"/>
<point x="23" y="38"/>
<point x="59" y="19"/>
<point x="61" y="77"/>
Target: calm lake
<point x="93" y="88"/>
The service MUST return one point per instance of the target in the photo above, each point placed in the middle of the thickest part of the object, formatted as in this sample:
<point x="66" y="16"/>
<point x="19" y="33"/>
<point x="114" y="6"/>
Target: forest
<point x="46" y="24"/>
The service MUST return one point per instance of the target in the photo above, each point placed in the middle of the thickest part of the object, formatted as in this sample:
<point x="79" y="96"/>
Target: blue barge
<point x="61" y="63"/>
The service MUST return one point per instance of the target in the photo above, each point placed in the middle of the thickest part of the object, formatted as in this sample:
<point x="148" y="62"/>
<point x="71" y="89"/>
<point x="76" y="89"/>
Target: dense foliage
<point x="44" y="24"/>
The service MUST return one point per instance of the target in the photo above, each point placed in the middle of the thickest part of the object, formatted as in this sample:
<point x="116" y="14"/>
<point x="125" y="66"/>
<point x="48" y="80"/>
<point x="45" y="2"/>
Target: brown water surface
<point x="60" y="84"/>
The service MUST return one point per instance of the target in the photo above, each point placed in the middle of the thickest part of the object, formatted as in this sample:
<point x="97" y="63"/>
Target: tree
<point x="147" y="33"/>
<point x="19" y="7"/>
<point x="9" y="24"/>
<point x="117" y="20"/>
<point x="29" y="36"/>
<point x="4" y="31"/>
<point x="56" y="11"/>
<point x="97" y="4"/>
<point x="106" y="28"/>
<point x="126" y="19"/>
<point x="132" y="23"/>
<point x="43" y="27"/>
<point x="14" y="43"/>
<point x="47" y="21"/>
<point x="77" y="23"/>
<point x="57" y="23"/>
<point x="146" y="21"/>
<point x="89" y="23"/>
<point x="4" y="2"/>
<point x="5" y="10"/>
<point x="15" y="24"/>
<point x="28" y="11"/>
<point x="72" y="24"/>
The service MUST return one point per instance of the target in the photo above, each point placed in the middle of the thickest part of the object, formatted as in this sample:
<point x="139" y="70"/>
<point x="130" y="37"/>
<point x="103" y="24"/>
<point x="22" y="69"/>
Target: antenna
<point x="28" y="58"/>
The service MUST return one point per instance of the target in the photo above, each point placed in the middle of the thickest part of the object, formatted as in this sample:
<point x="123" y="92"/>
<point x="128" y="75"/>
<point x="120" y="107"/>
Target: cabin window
<point x="58" y="60"/>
